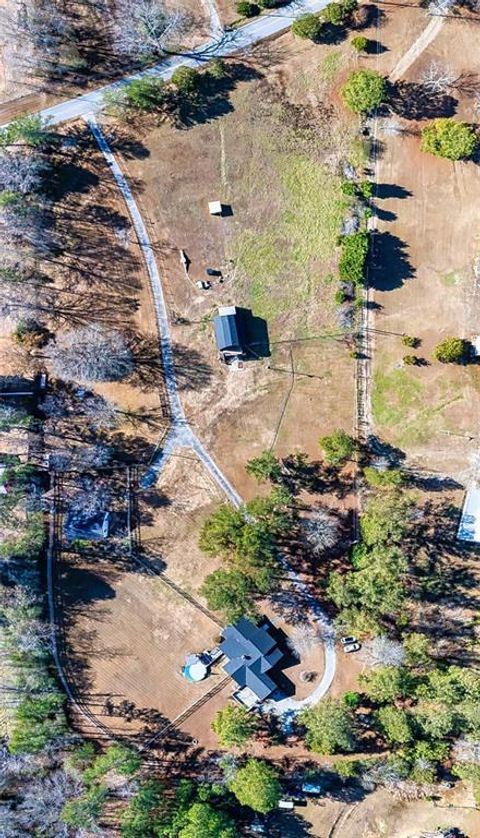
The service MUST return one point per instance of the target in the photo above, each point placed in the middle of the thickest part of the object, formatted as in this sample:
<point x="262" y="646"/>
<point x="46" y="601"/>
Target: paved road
<point x="229" y="43"/>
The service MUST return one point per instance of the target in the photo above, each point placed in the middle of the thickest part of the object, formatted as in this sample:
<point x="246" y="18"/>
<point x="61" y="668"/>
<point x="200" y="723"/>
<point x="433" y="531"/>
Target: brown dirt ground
<point x="129" y="635"/>
<point x="379" y="815"/>
<point x="172" y="513"/>
<point x="434" y="226"/>
<point x="103" y="265"/>
<point x="226" y="10"/>
<point x="238" y="413"/>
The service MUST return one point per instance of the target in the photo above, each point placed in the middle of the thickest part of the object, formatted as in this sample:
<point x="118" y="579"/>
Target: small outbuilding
<point x="229" y="333"/>
<point x="469" y="527"/>
<point x="88" y="527"/>
<point x="215" y="207"/>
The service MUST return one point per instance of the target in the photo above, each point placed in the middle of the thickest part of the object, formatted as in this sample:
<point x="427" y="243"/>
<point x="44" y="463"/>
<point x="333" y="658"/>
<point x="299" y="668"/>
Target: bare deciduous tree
<point x="78" y="403"/>
<point x="381" y="773"/>
<point x="81" y="458"/>
<point x="26" y="300"/>
<point x="392" y="127"/>
<point x="26" y="223"/>
<point x="23" y="630"/>
<point x="381" y="651"/>
<point x="44" y="800"/>
<point x="33" y="32"/>
<point x="143" y="27"/>
<point x="92" y="497"/>
<point x="321" y="530"/>
<point x="437" y="78"/>
<point x="21" y="170"/>
<point x="440" y="8"/>
<point x="91" y="354"/>
<point x="466" y="750"/>
<point x="304" y="638"/>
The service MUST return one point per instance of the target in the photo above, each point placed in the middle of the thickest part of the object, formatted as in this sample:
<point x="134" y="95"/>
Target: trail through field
<point x="420" y="45"/>
<point x="216" y="27"/>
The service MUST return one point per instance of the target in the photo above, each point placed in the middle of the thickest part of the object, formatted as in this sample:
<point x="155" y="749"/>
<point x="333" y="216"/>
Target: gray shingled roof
<point x="252" y="653"/>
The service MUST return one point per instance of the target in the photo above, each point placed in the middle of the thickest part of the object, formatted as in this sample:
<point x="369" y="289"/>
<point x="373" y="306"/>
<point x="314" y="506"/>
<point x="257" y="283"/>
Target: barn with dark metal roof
<point x="229" y="335"/>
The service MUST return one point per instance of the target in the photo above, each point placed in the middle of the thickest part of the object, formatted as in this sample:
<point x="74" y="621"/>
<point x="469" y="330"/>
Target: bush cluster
<point x="353" y="257"/>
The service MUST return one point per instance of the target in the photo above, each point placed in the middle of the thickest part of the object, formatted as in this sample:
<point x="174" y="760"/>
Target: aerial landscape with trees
<point x="239" y="399"/>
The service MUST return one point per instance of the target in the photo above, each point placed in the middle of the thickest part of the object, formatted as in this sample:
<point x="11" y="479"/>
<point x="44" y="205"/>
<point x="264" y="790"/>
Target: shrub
<point x="246" y="9"/>
<point x="307" y="26"/>
<point x="37" y="721"/>
<point x="391" y="478"/>
<point x="271" y="4"/>
<point x="340" y="296"/>
<point x="145" y="94"/>
<point x="334" y="13"/>
<point x="366" y="189"/>
<point x="265" y="467"/>
<point x="353" y="257"/>
<point x="217" y="68"/>
<point x="410" y="341"/>
<point x="337" y="447"/>
<point x="186" y="79"/>
<point x="451" y="350"/>
<point x="410" y="360"/>
<point x="364" y="91"/>
<point x="31" y="334"/>
<point x="118" y="758"/>
<point x="352" y="700"/>
<point x="449" y="138"/>
<point x="348" y="188"/>
<point x="360" y="43"/>
<point x="346" y="769"/>
<point x="83" y="812"/>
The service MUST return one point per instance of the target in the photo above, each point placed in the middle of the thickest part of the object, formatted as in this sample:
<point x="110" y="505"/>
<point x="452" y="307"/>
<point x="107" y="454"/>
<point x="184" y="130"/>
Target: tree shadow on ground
<point x="385" y="215"/>
<point x="131" y="449"/>
<point x="212" y="99"/>
<point x="129" y="147"/>
<point x="416" y="102"/>
<point x="376" y="48"/>
<point x="468" y="84"/>
<point x="383" y="191"/>
<point x="379" y="448"/>
<point x="290" y="825"/>
<point x="389" y="264"/>
<point x="68" y="177"/>
<point x="368" y="16"/>
<point x="192" y="372"/>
